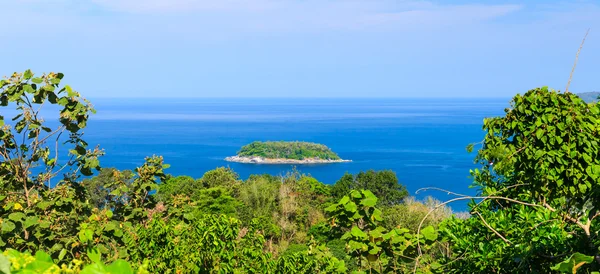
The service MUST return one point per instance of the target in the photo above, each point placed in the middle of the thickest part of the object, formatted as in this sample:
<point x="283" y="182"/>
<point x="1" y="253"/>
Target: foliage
<point x="220" y="177"/>
<point x="35" y="213"/>
<point x="217" y="200"/>
<point x="411" y="212"/>
<point x="260" y="197"/>
<point x="216" y="186"/>
<point x="210" y="243"/>
<point x="375" y="248"/>
<point x="315" y="259"/>
<point x="537" y="213"/>
<point x="384" y="184"/>
<point x="12" y="261"/>
<point x="176" y="185"/>
<point x="95" y="187"/>
<point x="287" y="150"/>
<point x="540" y="166"/>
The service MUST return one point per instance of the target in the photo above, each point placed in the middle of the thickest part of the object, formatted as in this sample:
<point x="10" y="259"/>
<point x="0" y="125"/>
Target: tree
<point x="540" y="172"/>
<point x="175" y="185"/>
<point x="221" y="176"/>
<point x="384" y="184"/>
<point x="37" y="211"/>
<point x="98" y="193"/>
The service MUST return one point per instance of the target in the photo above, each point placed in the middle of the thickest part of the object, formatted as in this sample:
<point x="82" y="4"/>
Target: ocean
<point x="422" y="140"/>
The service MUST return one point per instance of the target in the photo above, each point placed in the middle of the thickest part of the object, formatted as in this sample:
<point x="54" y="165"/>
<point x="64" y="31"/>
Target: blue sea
<point x="422" y="140"/>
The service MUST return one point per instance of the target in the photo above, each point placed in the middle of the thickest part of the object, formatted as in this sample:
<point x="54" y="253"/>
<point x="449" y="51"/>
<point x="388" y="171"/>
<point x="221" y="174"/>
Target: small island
<point x="285" y="153"/>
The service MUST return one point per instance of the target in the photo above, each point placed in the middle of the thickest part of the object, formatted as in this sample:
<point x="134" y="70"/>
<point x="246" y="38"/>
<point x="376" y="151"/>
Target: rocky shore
<point x="261" y="160"/>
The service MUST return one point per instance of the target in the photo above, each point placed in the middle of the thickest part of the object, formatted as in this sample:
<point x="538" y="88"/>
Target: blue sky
<point x="303" y="48"/>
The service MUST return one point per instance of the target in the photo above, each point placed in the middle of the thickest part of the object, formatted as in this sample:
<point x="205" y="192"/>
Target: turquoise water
<point x="422" y="140"/>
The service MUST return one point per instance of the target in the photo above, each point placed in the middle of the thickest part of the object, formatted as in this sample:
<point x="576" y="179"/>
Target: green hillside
<point x="589" y="96"/>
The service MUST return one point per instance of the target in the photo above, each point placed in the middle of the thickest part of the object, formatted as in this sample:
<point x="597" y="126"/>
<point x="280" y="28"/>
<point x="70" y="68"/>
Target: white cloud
<point x="227" y="19"/>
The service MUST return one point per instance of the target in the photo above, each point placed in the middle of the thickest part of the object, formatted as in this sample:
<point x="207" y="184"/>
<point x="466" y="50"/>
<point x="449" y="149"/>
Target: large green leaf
<point x="16" y="216"/>
<point x="351" y="207"/>
<point x="8" y="226"/>
<point x="43" y="256"/>
<point x="370" y="202"/>
<point x="30" y="221"/>
<point x="357" y="232"/>
<point x="429" y="233"/>
<point x="4" y="264"/>
<point x="120" y="266"/>
<point x="571" y="264"/>
<point x="27" y="74"/>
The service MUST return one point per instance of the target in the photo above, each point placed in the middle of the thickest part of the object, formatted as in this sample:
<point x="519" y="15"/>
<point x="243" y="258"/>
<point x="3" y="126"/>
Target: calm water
<point x="423" y="141"/>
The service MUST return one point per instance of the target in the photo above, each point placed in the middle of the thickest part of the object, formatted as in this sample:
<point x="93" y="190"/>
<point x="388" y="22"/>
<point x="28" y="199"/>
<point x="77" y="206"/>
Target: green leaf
<point x="351" y="207"/>
<point x="16" y="216"/>
<point x="377" y="232"/>
<point x="62" y="254"/>
<point x="27" y="74"/>
<point x="120" y="266"/>
<point x="331" y="208"/>
<point x="94" y="255"/>
<point x="110" y="226"/>
<point x="470" y="148"/>
<point x="44" y="205"/>
<point x="29" y="221"/>
<point x="8" y="226"/>
<point x="45" y="224"/>
<point x="356" y="232"/>
<point x="43" y="256"/>
<point x="70" y="91"/>
<point x="376" y="216"/>
<point x="429" y="233"/>
<point x="371" y="201"/>
<point x="571" y="264"/>
<point x="539" y="133"/>
<point x="4" y="264"/>
<point x="94" y="269"/>
<point x="37" y="80"/>
<point x="368" y="194"/>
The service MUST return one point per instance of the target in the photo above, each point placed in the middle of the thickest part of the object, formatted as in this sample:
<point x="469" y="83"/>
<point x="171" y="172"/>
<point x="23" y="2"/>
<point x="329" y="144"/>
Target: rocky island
<point x="285" y="153"/>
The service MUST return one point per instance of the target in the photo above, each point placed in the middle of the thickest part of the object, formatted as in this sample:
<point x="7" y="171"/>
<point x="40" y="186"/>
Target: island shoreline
<point x="281" y="161"/>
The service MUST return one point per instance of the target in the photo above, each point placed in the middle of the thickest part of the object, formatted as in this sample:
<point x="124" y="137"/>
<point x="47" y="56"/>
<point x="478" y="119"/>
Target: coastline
<point x="261" y="160"/>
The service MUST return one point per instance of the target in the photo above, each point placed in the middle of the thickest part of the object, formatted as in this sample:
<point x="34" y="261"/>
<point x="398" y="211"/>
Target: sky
<point x="303" y="48"/>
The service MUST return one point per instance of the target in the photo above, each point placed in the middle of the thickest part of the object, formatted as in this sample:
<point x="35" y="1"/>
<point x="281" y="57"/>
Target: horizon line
<point x="274" y="97"/>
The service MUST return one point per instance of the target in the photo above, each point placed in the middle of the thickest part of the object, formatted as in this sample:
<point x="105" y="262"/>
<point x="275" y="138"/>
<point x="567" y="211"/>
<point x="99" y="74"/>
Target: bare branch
<point x="576" y="58"/>
<point x="492" y="229"/>
<point x="440" y="189"/>
<point x="585" y="227"/>
<point x="420" y="251"/>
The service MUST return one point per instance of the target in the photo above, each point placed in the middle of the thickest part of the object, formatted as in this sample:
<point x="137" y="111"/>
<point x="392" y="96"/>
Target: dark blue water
<point x="422" y="140"/>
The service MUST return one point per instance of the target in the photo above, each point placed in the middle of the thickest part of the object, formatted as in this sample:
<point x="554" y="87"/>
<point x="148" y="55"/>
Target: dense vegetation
<point x="287" y="150"/>
<point x="537" y="211"/>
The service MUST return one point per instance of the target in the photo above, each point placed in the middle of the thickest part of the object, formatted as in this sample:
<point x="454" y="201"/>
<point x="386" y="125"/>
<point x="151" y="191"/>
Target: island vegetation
<point x="282" y="152"/>
<point x="538" y="177"/>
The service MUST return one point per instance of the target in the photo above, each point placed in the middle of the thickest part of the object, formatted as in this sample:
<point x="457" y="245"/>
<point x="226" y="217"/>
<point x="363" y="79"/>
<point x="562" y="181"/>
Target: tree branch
<point x="492" y="229"/>
<point x="576" y="58"/>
